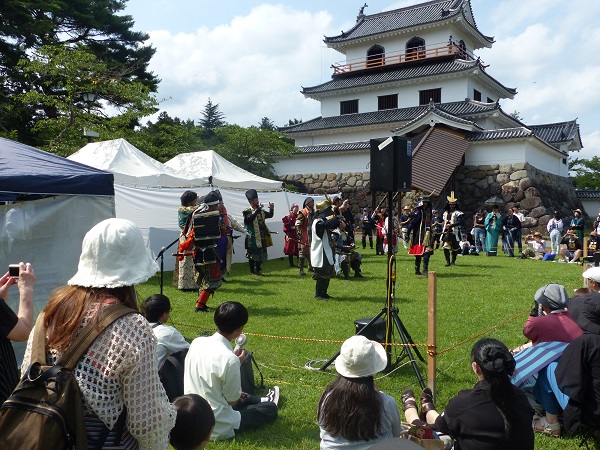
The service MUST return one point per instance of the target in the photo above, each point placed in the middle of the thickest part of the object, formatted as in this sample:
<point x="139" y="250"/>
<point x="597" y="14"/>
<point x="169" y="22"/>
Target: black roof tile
<point x="410" y="16"/>
<point x="556" y="132"/>
<point x="464" y="108"/>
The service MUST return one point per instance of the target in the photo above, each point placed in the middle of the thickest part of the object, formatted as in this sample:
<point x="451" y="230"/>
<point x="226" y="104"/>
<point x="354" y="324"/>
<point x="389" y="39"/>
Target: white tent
<point x="224" y="174"/>
<point x="130" y="165"/>
<point x="148" y="192"/>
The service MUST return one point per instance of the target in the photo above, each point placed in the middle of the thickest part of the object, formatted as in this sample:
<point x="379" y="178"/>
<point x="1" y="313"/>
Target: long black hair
<point x="497" y="365"/>
<point x="351" y="408"/>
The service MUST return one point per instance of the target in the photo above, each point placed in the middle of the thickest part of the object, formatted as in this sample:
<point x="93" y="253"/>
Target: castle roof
<point x="459" y="109"/>
<point x="587" y="194"/>
<point x="408" y="17"/>
<point x="404" y="73"/>
<point x="559" y="132"/>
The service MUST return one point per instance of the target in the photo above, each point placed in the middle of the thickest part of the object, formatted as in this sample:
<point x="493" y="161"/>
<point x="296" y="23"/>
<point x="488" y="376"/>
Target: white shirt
<point x="169" y="341"/>
<point x="212" y="371"/>
<point x="520" y="216"/>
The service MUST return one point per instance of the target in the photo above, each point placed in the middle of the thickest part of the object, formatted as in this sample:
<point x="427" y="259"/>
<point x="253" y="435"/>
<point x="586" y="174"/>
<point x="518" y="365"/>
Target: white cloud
<point x="252" y="67"/>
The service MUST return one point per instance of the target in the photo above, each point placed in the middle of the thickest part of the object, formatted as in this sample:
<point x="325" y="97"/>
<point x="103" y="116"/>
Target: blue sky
<point x="253" y="57"/>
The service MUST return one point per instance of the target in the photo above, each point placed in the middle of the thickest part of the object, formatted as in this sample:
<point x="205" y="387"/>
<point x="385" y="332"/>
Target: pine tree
<point x="211" y="119"/>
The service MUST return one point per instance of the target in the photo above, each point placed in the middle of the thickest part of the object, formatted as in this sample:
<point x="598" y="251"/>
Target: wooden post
<point x="585" y="248"/>
<point x="432" y="332"/>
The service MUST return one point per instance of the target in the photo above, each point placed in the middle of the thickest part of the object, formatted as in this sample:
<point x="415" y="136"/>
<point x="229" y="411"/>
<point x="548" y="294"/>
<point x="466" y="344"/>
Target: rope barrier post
<point x="585" y="248"/>
<point x="432" y="332"/>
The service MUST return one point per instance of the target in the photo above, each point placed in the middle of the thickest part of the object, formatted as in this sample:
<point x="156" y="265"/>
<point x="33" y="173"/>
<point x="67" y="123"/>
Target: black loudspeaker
<point x="376" y="332"/>
<point x="391" y="164"/>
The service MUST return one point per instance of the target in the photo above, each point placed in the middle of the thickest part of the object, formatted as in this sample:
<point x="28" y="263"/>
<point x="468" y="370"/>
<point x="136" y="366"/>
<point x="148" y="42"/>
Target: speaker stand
<point x="391" y="313"/>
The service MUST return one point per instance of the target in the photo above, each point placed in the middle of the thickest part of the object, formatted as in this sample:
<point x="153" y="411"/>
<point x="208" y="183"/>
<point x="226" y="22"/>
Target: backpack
<point x="247" y="375"/>
<point x="45" y="409"/>
<point x="171" y="373"/>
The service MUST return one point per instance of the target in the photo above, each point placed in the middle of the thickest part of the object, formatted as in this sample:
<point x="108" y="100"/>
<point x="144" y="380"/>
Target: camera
<point x="13" y="270"/>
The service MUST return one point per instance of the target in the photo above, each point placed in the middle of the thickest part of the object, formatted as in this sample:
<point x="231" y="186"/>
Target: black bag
<point x="171" y="372"/>
<point x="45" y="409"/>
<point x="247" y="375"/>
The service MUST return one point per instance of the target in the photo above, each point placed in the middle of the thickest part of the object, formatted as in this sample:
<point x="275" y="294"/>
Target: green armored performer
<point x="259" y="236"/>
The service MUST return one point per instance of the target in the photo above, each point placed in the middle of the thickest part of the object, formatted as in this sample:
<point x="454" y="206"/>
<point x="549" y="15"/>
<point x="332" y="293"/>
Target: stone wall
<point x="538" y="193"/>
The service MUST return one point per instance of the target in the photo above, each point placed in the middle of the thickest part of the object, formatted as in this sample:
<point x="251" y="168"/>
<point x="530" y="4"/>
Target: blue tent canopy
<point x="26" y="171"/>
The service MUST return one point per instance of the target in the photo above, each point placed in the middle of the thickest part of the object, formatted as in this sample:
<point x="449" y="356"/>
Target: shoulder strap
<point x="108" y="314"/>
<point x="38" y="348"/>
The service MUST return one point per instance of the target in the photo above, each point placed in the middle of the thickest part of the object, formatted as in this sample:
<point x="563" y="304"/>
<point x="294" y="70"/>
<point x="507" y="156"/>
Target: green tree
<point x="585" y="173"/>
<point x="29" y="25"/>
<point x="168" y="137"/>
<point x="59" y="75"/>
<point x="252" y="149"/>
<point x="294" y="122"/>
<point x="212" y="118"/>
<point x="267" y="124"/>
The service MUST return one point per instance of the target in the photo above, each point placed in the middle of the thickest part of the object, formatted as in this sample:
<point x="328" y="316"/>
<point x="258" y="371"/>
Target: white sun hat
<point x="113" y="254"/>
<point x="360" y="357"/>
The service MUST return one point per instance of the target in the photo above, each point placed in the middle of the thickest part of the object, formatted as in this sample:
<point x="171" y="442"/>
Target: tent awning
<point x="27" y="170"/>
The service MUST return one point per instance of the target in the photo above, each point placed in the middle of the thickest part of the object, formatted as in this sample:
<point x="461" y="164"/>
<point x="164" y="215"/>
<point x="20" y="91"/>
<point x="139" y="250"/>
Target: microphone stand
<point x="161" y="255"/>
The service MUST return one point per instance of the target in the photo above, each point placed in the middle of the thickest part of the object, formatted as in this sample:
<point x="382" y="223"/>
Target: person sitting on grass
<point x="573" y="383"/>
<point x="194" y="423"/>
<point x="572" y="250"/>
<point x="352" y="412"/>
<point x="536" y="247"/>
<point x="494" y="415"/>
<point x="212" y="370"/>
<point x="157" y="310"/>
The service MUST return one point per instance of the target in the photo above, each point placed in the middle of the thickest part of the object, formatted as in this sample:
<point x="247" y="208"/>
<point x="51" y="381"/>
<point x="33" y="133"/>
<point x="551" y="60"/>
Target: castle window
<point x="349" y="107"/>
<point x="387" y="102"/>
<point x="476" y="95"/>
<point x="376" y="56"/>
<point x="490" y="100"/>
<point x="462" y="49"/>
<point x="415" y="49"/>
<point x="428" y="95"/>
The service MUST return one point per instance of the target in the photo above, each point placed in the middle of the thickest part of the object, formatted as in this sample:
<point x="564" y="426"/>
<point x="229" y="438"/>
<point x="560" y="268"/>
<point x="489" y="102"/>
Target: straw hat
<point x="113" y="254"/>
<point x="360" y="357"/>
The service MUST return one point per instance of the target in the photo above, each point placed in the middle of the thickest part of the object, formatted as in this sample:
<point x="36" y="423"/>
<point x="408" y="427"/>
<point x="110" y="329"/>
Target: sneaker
<point x="272" y="395"/>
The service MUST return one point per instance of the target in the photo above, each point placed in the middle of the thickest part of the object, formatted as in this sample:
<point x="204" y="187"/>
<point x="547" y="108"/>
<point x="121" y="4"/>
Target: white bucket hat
<point x="360" y="357"/>
<point x="592" y="273"/>
<point x="113" y="254"/>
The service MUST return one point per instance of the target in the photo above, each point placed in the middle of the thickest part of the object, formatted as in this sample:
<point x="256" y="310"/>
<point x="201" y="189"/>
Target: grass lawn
<point x="288" y="328"/>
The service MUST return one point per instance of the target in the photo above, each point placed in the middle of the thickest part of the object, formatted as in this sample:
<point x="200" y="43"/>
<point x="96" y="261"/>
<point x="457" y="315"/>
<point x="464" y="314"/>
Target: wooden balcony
<point x="412" y="55"/>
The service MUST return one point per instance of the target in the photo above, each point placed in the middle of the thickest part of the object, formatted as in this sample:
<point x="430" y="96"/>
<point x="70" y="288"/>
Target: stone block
<point x="468" y="181"/>
<point x="532" y="192"/>
<point x="338" y="177"/>
<point x="525" y="183"/>
<point x="529" y="222"/>
<point x="366" y="176"/>
<point x="519" y="166"/>
<point x="352" y="181"/>
<point x="518" y="175"/>
<point x="331" y="176"/>
<point x="489" y="167"/>
<point x="530" y="203"/>
<point x="506" y="168"/>
<point x="538" y="212"/>
<point x="502" y="178"/>
<point x="483" y="184"/>
<point x="478" y="175"/>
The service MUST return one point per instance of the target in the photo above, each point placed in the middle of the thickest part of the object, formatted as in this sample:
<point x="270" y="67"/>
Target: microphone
<point x="240" y="341"/>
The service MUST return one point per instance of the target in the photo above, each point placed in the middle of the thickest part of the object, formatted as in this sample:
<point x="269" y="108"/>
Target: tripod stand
<point x="161" y="255"/>
<point x="391" y="312"/>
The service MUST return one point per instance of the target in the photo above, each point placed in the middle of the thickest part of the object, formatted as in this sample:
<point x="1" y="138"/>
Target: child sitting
<point x="194" y="424"/>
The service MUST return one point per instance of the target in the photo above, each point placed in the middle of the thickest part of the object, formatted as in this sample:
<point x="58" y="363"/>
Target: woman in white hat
<point x="119" y="370"/>
<point x="352" y="413"/>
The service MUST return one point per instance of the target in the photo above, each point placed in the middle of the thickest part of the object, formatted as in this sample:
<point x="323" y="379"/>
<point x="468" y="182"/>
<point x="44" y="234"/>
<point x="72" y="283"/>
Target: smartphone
<point x="13" y="270"/>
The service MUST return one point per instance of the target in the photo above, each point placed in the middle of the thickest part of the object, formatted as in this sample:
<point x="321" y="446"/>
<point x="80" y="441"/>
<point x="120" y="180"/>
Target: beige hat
<point x="113" y="254"/>
<point x="360" y="357"/>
